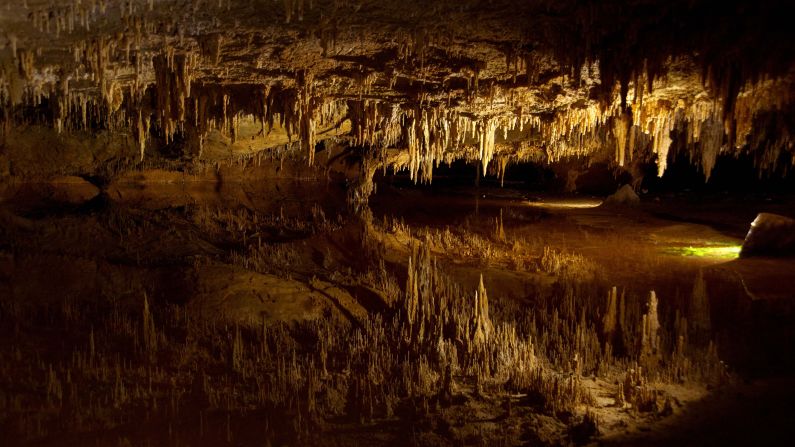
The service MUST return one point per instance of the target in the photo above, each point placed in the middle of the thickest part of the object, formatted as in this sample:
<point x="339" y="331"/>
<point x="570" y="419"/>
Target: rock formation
<point x="474" y="80"/>
<point x="770" y="235"/>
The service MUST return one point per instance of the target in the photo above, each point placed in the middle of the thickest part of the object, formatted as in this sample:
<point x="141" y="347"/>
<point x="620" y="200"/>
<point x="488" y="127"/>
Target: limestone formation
<point x="442" y="86"/>
<point x="625" y="196"/>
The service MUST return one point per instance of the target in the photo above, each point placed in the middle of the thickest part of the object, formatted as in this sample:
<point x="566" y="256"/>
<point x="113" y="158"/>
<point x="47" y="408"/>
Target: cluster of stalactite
<point x="173" y="81"/>
<point x="297" y="107"/>
<point x="74" y="14"/>
<point x="707" y="128"/>
<point x="138" y="79"/>
<point x="429" y="134"/>
<point x="652" y="122"/>
<point x="571" y="131"/>
<point x="646" y="124"/>
<point x="432" y="135"/>
<point x="175" y="103"/>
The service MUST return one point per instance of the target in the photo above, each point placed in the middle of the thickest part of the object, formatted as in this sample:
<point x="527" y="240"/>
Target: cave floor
<point x="289" y="255"/>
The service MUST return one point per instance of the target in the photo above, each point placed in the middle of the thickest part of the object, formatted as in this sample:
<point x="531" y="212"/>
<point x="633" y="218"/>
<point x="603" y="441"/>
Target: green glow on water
<point x="723" y="251"/>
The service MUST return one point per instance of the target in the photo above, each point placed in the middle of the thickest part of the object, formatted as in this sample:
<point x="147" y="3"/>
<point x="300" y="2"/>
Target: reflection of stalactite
<point x="650" y="339"/>
<point x="699" y="307"/>
<point x="609" y="321"/>
<point x="482" y="326"/>
<point x="295" y="9"/>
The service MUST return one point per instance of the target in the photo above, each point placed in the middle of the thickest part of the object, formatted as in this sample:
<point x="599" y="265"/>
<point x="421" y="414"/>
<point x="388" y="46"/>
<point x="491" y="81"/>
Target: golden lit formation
<point x="396" y="222"/>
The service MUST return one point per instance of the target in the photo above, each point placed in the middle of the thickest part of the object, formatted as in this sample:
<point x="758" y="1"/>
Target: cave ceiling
<point x="409" y="83"/>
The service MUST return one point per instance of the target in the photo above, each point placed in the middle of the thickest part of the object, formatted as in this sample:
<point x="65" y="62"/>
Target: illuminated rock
<point x="441" y="88"/>
<point x="770" y="235"/>
<point x="625" y="196"/>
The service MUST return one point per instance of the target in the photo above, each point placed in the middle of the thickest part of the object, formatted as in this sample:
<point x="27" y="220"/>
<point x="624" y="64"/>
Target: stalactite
<point x="732" y="110"/>
<point x="210" y="46"/>
<point x="502" y="165"/>
<point x="424" y="135"/>
<point x="573" y="130"/>
<point x="142" y="128"/>
<point x="656" y="119"/>
<point x="621" y="130"/>
<point x="173" y="76"/>
<point x="375" y="123"/>
<point x="710" y="132"/>
<point x="711" y="143"/>
<point x="486" y="130"/>
<point x="13" y="42"/>
<point x="26" y="64"/>
<point x="307" y="108"/>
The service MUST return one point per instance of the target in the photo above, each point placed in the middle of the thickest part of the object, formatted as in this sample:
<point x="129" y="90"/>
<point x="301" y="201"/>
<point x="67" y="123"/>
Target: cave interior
<point x="397" y="223"/>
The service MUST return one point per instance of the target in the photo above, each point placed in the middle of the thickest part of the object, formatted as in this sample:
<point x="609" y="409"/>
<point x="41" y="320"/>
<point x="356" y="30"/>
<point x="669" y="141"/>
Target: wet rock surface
<point x="770" y="235"/>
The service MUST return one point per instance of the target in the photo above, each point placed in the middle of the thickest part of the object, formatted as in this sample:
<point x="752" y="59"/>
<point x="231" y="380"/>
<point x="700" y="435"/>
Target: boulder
<point x="625" y="196"/>
<point x="770" y="235"/>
